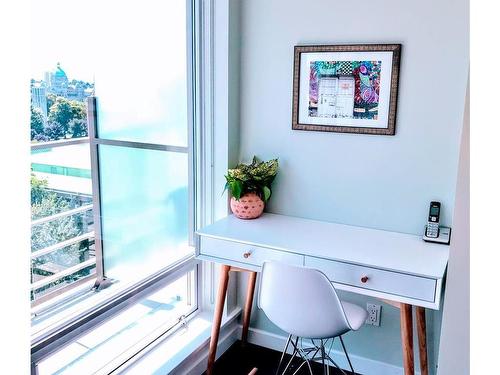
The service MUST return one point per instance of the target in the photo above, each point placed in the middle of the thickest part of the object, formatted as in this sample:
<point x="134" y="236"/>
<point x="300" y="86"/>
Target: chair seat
<point x="355" y="314"/>
<point x="303" y="302"/>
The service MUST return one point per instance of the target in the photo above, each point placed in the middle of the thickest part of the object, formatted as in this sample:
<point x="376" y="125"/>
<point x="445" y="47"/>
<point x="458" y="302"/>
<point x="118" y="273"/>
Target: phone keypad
<point x="432" y="230"/>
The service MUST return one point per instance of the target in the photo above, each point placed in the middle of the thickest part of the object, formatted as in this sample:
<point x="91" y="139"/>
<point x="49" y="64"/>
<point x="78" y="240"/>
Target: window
<point x="107" y="346"/>
<point x="112" y="181"/>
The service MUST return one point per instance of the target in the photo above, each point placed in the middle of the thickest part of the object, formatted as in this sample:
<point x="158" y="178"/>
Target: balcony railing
<point x="66" y="259"/>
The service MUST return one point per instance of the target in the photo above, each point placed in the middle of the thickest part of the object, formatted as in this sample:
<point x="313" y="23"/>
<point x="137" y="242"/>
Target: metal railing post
<point x="94" y="170"/>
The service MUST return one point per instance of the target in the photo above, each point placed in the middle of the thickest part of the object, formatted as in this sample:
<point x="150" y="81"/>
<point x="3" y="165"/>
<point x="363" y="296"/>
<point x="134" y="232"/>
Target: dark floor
<point x="240" y="359"/>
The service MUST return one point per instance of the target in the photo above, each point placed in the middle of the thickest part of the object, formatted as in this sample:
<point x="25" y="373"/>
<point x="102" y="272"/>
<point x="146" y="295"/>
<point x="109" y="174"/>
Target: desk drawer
<point x="244" y="253"/>
<point x="396" y="283"/>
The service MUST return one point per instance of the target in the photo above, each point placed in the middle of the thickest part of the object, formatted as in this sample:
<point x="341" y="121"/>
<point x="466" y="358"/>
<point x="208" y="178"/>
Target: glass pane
<point x="62" y="76"/>
<point x="92" y="351"/>
<point x="141" y="71"/>
<point x="64" y="168"/>
<point x="144" y="208"/>
<point x="62" y="227"/>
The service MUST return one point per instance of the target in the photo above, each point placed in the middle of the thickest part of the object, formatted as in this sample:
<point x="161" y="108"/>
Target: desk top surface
<point x="369" y="247"/>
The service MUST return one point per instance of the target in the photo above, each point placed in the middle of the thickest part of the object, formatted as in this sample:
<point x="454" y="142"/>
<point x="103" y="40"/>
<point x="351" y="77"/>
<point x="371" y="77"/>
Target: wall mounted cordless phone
<point x="432" y="230"/>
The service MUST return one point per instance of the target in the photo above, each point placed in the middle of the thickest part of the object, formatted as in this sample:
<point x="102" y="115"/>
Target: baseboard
<point x="196" y="362"/>
<point x="361" y="365"/>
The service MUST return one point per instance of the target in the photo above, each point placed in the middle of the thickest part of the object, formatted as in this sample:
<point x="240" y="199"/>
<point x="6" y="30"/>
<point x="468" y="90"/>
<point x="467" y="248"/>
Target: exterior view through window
<point x="62" y="237"/>
<point x="111" y="176"/>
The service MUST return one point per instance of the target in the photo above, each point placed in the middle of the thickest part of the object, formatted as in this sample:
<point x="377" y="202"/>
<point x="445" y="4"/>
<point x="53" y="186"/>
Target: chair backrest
<point x="301" y="301"/>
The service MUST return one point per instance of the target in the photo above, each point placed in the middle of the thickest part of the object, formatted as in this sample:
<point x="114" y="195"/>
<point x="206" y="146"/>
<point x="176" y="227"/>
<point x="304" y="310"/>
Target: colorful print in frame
<point x="346" y="88"/>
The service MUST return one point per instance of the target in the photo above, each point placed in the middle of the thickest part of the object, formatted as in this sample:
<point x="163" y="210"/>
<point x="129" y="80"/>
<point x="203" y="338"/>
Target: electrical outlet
<point x="373" y="314"/>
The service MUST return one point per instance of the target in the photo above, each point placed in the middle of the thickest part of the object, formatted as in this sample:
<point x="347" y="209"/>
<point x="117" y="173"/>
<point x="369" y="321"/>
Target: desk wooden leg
<point x="252" y="276"/>
<point x="219" y="308"/>
<point x="407" y="338"/>
<point x="422" y="340"/>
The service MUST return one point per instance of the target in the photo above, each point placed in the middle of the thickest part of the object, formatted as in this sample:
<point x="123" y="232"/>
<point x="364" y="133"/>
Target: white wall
<point x="382" y="182"/>
<point x="454" y="358"/>
<point x="375" y="181"/>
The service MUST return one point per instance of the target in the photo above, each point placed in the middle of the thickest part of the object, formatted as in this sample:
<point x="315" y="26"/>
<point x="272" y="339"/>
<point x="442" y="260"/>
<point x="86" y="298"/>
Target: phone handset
<point x="432" y="230"/>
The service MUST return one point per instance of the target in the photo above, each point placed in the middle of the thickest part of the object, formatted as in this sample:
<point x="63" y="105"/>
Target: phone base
<point x="443" y="238"/>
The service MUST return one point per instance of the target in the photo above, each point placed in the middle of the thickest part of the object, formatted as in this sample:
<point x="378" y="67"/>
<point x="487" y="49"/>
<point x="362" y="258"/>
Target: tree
<point x="78" y="128"/>
<point x="64" y="110"/>
<point x="41" y="137"/>
<point x="51" y="99"/>
<point x="38" y="191"/>
<point x="37" y="122"/>
<point x="54" y="131"/>
<point x="61" y="113"/>
<point x="46" y="203"/>
<point x="54" y="231"/>
<point x="79" y="110"/>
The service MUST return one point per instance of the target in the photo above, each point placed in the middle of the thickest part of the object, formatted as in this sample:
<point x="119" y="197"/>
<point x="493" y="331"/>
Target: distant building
<point x="48" y="79"/>
<point x="39" y="98"/>
<point x="59" y="82"/>
<point x="59" y="85"/>
<point x="79" y="90"/>
<point x="89" y="91"/>
<point x="75" y="92"/>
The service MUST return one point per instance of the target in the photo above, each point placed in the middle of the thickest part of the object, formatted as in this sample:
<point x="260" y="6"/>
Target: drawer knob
<point x="247" y="254"/>
<point x="364" y="279"/>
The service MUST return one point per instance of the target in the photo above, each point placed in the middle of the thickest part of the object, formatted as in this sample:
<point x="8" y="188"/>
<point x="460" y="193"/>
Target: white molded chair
<point x="303" y="302"/>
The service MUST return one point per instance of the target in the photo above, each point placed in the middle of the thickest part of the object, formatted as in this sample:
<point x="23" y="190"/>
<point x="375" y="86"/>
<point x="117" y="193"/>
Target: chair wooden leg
<point x="219" y="308"/>
<point x="252" y="276"/>
<point x="422" y="340"/>
<point x="407" y="338"/>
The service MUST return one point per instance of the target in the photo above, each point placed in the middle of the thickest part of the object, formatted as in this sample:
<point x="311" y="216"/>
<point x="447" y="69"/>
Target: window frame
<point x="52" y="340"/>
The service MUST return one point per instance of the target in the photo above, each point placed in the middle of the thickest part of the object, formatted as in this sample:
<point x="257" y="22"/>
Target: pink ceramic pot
<point x="250" y="206"/>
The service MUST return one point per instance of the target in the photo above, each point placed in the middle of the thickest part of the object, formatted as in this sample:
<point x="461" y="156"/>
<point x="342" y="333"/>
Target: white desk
<point x="399" y="268"/>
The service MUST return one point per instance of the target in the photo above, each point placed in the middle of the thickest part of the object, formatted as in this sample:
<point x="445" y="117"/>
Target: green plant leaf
<point x="255" y="177"/>
<point x="226" y="186"/>
<point x="236" y="188"/>
<point x="267" y="193"/>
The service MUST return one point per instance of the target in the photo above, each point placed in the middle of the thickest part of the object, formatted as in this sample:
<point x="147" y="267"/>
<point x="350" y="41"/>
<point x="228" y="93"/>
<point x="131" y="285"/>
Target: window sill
<point x="52" y="315"/>
<point x="186" y="350"/>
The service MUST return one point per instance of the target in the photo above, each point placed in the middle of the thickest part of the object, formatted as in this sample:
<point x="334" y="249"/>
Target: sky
<point x="59" y="29"/>
<point x="135" y="52"/>
<point x="86" y="36"/>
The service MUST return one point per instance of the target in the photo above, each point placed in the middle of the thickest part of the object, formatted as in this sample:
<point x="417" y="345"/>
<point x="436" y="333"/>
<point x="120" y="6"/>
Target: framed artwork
<point x="346" y="88"/>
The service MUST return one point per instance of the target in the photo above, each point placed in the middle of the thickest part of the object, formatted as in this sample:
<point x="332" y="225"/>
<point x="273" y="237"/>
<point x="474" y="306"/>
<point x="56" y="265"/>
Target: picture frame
<point x="346" y="88"/>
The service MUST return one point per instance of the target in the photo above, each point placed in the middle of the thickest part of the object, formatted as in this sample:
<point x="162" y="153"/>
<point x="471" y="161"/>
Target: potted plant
<point x="250" y="187"/>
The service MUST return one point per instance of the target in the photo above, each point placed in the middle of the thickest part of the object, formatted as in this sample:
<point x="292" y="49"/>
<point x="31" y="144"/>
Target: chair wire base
<point x="310" y="353"/>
